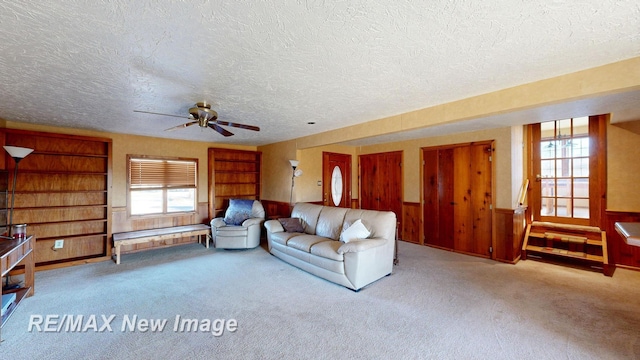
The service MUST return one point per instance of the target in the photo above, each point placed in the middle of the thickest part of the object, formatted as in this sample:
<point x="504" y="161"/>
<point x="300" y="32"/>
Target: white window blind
<point x="160" y="174"/>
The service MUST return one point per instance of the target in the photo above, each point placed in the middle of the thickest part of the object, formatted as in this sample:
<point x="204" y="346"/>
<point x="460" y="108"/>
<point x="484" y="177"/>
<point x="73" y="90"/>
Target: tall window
<point x="564" y="163"/>
<point x="161" y="185"/>
<point x="567" y="172"/>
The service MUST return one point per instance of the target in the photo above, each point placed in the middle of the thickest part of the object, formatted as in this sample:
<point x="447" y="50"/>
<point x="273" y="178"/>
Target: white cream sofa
<point x="319" y="251"/>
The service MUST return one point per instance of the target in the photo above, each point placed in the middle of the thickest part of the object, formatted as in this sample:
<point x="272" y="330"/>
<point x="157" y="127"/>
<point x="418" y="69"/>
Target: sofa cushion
<point x="356" y="231"/>
<point x="305" y="242"/>
<point x="282" y="237"/>
<point x="231" y="230"/>
<point x="308" y="215"/>
<point x="328" y="249"/>
<point x="291" y="225"/>
<point x="330" y="222"/>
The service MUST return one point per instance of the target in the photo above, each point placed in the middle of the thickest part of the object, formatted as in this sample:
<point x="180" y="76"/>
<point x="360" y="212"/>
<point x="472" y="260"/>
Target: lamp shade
<point x="17" y="152"/>
<point x="294" y="163"/>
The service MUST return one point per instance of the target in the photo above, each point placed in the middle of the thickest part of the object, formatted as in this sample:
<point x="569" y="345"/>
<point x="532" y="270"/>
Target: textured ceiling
<point x="280" y="64"/>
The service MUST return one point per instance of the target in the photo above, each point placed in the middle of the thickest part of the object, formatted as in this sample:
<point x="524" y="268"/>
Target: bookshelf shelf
<point x="12" y="254"/>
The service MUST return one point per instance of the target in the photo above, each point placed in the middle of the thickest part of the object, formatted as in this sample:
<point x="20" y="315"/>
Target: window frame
<point x="597" y="174"/>
<point x="164" y="187"/>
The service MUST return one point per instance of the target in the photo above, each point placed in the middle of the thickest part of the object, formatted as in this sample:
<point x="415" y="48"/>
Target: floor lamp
<point x="17" y="153"/>
<point x="296" y="173"/>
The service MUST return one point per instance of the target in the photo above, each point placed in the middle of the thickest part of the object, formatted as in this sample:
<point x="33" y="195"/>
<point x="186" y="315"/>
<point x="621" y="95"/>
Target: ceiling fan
<point x="202" y="115"/>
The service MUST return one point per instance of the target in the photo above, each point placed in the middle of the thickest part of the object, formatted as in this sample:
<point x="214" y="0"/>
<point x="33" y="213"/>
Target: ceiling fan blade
<point x="241" y="126"/>
<point x="220" y="130"/>
<point x="155" y="113"/>
<point x="181" y="126"/>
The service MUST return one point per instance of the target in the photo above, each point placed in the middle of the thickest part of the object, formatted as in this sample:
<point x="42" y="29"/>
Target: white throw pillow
<point x="357" y="231"/>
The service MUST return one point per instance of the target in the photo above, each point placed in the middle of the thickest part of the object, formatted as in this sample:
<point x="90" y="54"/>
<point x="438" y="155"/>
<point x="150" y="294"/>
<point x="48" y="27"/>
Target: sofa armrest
<point x="218" y="222"/>
<point x="361" y="245"/>
<point x="252" y="221"/>
<point x="273" y="226"/>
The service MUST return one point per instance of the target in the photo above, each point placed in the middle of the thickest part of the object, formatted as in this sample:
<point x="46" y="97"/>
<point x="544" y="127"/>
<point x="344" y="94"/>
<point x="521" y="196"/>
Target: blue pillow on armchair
<point x="239" y="210"/>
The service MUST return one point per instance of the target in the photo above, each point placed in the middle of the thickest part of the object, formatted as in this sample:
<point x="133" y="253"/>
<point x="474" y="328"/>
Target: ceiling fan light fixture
<point x="202" y="115"/>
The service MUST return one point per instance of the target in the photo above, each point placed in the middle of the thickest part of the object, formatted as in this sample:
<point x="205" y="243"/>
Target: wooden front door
<point x="457" y="197"/>
<point x="381" y="182"/>
<point x="336" y="179"/>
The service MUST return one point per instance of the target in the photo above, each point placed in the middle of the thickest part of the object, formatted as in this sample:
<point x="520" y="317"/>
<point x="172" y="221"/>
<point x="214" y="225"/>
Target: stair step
<point x="579" y="242"/>
<point x="565" y="238"/>
<point x="567" y="253"/>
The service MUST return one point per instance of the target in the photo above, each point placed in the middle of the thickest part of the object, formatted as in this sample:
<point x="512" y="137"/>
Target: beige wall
<point x="623" y="166"/>
<point x="510" y="167"/>
<point x="276" y="170"/>
<point x="507" y="158"/>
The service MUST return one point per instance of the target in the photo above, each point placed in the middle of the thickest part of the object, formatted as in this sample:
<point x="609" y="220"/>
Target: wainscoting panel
<point x="276" y="209"/>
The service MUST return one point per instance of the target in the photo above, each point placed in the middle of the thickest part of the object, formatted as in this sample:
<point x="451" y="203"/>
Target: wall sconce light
<point x="17" y="153"/>
<point x="295" y="173"/>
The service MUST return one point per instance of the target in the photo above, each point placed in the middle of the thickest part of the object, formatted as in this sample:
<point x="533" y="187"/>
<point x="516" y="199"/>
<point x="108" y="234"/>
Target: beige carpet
<point x="436" y="305"/>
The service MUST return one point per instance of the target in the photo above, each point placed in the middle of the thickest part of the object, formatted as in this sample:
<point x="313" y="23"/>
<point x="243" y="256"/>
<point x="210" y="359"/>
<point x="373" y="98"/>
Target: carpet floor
<point x="251" y="305"/>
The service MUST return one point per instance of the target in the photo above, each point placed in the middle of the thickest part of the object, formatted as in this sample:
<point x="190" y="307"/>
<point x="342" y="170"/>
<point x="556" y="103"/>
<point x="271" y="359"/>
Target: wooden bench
<point x="143" y="236"/>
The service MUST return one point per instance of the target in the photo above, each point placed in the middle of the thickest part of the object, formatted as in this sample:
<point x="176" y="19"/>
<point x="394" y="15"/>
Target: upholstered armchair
<point x="240" y="228"/>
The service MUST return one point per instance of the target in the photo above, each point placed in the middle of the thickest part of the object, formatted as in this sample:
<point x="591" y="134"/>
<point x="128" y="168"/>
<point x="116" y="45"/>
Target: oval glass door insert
<point x="336" y="186"/>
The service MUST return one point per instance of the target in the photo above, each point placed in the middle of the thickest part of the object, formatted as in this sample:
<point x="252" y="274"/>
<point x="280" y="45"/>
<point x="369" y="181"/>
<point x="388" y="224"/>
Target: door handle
<point x="538" y="178"/>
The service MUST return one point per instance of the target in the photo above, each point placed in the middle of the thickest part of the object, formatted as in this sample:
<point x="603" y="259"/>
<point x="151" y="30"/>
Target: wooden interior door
<point x="457" y="198"/>
<point x="381" y="182"/>
<point x="438" y="197"/>
<point x="336" y="191"/>
<point x="368" y="181"/>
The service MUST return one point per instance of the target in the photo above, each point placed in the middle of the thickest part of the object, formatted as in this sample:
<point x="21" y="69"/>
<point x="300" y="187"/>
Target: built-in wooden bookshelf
<point x="62" y="193"/>
<point x="232" y="174"/>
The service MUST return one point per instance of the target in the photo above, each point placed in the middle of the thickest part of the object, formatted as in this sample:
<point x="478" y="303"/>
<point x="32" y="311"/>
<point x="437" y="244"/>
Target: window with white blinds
<point x="161" y="185"/>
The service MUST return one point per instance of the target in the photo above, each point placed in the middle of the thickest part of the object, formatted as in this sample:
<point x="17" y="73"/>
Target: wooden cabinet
<point x="62" y="193"/>
<point x="457" y="203"/>
<point x="232" y="174"/>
